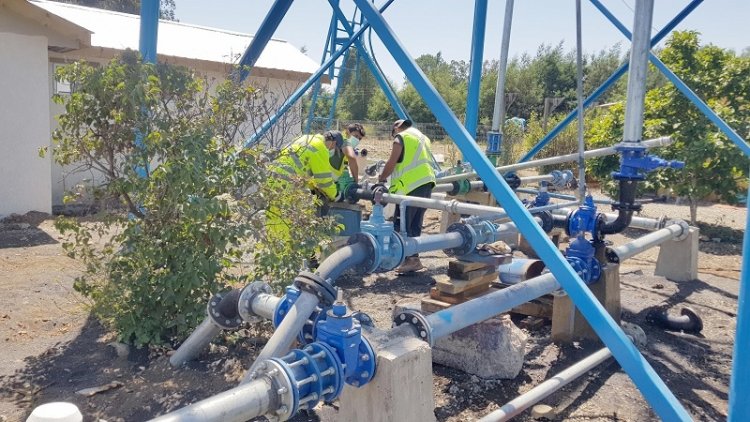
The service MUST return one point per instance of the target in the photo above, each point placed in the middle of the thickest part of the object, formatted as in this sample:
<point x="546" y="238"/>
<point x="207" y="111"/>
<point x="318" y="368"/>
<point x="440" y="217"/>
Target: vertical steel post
<point x="581" y="115"/>
<point x="498" y="114"/>
<point x="739" y="386"/>
<point x="636" y="97"/>
<point x="642" y="374"/>
<point x="149" y="30"/>
<point x="475" y="67"/>
<point x="296" y="95"/>
<point x="316" y="89"/>
<point x="262" y="36"/>
<point x="610" y="81"/>
<point x="680" y="85"/>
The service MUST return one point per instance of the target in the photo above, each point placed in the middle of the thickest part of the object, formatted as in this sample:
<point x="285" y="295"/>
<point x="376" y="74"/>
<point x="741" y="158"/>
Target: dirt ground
<point x="53" y="348"/>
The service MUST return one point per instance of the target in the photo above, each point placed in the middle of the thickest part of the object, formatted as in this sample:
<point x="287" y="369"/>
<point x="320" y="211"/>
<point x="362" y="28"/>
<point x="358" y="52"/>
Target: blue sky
<point x="426" y="26"/>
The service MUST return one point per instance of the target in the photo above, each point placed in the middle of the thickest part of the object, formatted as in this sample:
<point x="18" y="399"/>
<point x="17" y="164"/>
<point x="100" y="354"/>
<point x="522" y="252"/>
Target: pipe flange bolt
<point x="418" y="322"/>
<point x="315" y="284"/>
<point x="685" y="229"/>
<point x="469" y="235"/>
<point x="227" y="322"/>
<point x="247" y="295"/>
<point x="286" y="389"/>
<point x="372" y="262"/>
<point x="662" y="221"/>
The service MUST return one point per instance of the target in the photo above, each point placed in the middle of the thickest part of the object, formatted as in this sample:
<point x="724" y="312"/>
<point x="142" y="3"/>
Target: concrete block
<point x="492" y="349"/>
<point x="402" y="387"/>
<point x="678" y="259"/>
<point x="568" y="323"/>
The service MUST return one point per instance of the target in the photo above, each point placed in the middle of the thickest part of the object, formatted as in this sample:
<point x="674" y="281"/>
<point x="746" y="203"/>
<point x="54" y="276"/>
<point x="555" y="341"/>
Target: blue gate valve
<point x="635" y="161"/>
<point x="343" y="332"/>
<point x="307" y="335"/>
<point x="583" y="219"/>
<point x="580" y="255"/>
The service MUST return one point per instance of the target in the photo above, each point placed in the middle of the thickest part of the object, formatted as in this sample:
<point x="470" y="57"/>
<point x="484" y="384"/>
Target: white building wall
<point x="24" y="124"/>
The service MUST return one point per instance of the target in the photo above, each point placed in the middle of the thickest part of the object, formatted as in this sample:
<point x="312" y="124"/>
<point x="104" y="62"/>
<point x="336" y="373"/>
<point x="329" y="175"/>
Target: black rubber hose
<point x="688" y="321"/>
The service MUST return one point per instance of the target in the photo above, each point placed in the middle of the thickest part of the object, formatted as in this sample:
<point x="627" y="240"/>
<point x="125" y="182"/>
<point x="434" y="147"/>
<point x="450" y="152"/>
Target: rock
<point x="542" y="411"/>
<point x="121" y="349"/>
<point x="635" y="332"/>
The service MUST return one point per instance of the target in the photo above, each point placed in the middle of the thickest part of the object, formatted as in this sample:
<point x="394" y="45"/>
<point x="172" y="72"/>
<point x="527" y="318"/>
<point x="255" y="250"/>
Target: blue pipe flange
<point x="469" y="236"/>
<point x="391" y="252"/>
<point x="317" y="285"/>
<point x="581" y="256"/>
<point x="227" y="322"/>
<point x="304" y="377"/>
<point x="485" y="231"/>
<point x="307" y="334"/>
<point x="417" y="321"/>
<point x="372" y="262"/>
<point x="365" y="368"/>
<point x="247" y="295"/>
<point x="286" y="302"/>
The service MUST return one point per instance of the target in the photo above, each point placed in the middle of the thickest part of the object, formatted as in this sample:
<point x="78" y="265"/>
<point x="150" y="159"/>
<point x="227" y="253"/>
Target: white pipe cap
<point x="56" y="412"/>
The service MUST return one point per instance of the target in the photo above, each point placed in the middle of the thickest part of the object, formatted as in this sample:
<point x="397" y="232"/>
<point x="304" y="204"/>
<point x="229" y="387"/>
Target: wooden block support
<point x="453" y="286"/>
<point x="458" y="266"/>
<point x="470" y="275"/>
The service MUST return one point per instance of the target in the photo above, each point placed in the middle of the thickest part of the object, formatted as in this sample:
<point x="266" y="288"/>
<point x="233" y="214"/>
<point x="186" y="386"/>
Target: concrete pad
<point x="492" y="349"/>
<point x="402" y="387"/>
<point x="678" y="259"/>
<point x="568" y="323"/>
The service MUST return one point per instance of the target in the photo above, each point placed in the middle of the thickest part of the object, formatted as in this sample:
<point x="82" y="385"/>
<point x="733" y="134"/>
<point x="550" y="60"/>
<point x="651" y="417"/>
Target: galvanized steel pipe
<point x="455" y="318"/>
<point x="264" y="305"/>
<point x="648" y="241"/>
<point x="601" y="152"/>
<point x="194" y="345"/>
<point x="432" y="242"/>
<point x="538" y="393"/>
<point x="242" y="403"/>
<point x="644" y="223"/>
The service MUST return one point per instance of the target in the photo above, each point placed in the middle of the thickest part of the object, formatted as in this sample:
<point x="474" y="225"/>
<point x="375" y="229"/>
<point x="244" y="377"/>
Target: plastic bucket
<point x="56" y="412"/>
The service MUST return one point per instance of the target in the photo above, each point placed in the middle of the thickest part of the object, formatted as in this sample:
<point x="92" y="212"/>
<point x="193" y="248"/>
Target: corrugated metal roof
<point x="121" y="31"/>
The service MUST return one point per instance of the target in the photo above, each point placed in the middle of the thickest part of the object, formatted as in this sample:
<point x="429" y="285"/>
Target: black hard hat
<point x="400" y="124"/>
<point x="334" y="135"/>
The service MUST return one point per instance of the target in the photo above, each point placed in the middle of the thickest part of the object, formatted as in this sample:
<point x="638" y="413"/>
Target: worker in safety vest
<point x="310" y="156"/>
<point x="306" y="157"/>
<point x="410" y="169"/>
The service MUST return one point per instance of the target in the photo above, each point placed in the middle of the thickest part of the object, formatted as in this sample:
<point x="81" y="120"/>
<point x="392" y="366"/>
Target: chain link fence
<point x="378" y="140"/>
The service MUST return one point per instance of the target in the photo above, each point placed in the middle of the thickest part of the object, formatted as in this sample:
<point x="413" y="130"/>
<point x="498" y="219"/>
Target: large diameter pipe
<point x="643" y="223"/>
<point x="239" y="404"/>
<point x="341" y="260"/>
<point x="648" y="241"/>
<point x="636" y="96"/>
<point x="538" y="393"/>
<point x="463" y="315"/>
<point x="600" y="152"/>
<point x="286" y="333"/>
<point x="196" y="343"/>
<point x="264" y="305"/>
<point x="434" y="242"/>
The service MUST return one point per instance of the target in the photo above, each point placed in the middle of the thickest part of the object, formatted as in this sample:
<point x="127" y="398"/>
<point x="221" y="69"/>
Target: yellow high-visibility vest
<point x="415" y="169"/>
<point x="308" y="156"/>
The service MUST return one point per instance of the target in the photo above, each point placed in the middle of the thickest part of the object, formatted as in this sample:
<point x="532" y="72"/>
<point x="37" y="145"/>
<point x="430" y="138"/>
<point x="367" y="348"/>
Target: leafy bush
<point x="149" y="271"/>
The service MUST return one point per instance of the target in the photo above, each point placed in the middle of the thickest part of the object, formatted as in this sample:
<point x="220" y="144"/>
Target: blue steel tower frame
<point x="648" y="382"/>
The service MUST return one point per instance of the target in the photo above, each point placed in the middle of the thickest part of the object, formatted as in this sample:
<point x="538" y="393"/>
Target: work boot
<point x="411" y="264"/>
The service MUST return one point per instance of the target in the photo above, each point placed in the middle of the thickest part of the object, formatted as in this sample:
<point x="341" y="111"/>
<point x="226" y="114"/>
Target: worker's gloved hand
<point x="379" y="188"/>
<point x="351" y="193"/>
<point x="339" y="196"/>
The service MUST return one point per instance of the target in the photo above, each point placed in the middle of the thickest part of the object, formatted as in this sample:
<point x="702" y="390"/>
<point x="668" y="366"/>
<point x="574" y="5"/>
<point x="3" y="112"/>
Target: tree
<point x="450" y="80"/>
<point x="713" y="164"/>
<point x="167" y="7"/>
<point x="358" y="88"/>
<point x="167" y="241"/>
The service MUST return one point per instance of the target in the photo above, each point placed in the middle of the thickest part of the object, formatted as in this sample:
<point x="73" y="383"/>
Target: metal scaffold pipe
<point x="579" y="94"/>
<point x="460" y="316"/>
<point x="637" y="246"/>
<point x="239" y="404"/>
<point x="538" y="393"/>
<point x="600" y="152"/>
<point x="498" y="113"/>
<point x="633" y="129"/>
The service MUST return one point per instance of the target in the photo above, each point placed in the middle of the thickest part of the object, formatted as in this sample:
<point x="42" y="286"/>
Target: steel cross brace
<point x="262" y="36"/>
<point x="476" y="64"/>
<point x="296" y="95"/>
<point x="702" y="106"/>
<point x="365" y="55"/>
<point x="643" y="375"/>
<point x="611" y="80"/>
